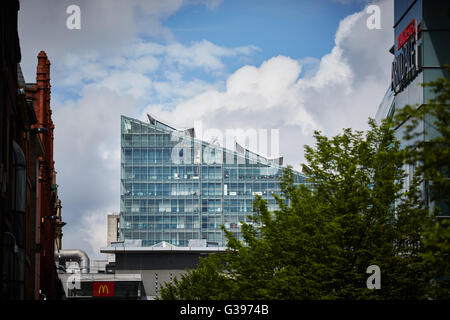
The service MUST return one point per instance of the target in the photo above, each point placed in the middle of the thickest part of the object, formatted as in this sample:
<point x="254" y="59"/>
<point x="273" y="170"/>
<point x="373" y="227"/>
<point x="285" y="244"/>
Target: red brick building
<point x="30" y="216"/>
<point x="49" y="205"/>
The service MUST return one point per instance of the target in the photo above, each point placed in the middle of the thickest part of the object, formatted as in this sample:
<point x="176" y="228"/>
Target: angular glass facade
<point x="175" y="188"/>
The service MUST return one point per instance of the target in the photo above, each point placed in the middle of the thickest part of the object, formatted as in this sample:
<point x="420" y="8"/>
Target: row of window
<point x="144" y="156"/>
<point x="182" y="224"/>
<point x="160" y="173"/>
<point x="207" y="206"/>
<point x="182" y="227"/>
<point x="179" y="239"/>
<point x="173" y="155"/>
<point x="143" y="203"/>
<point x="149" y="140"/>
<point x="161" y="189"/>
<point x="192" y="189"/>
<point x="185" y="155"/>
<point x="161" y="209"/>
<point x="143" y="176"/>
<point x="189" y="210"/>
<point x="192" y="172"/>
<point x="174" y="219"/>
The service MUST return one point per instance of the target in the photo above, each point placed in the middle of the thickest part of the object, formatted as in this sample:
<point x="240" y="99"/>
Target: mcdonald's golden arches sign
<point x="103" y="289"/>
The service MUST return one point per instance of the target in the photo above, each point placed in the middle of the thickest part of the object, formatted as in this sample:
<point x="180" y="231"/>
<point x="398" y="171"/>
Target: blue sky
<point x="287" y="27"/>
<point x="291" y="28"/>
<point x="293" y="66"/>
<point x="295" y="28"/>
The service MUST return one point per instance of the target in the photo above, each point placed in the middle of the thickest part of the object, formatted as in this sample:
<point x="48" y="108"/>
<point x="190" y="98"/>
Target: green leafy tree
<point x="429" y="146"/>
<point x="428" y="150"/>
<point x="360" y="209"/>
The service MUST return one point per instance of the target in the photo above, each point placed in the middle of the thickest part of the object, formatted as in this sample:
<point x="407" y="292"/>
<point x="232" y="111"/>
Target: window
<point x="127" y="155"/>
<point x="126" y="127"/>
<point x="135" y="127"/>
<point x="158" y="155"/>
<point x="20" y="178"/>
<point x="159" y="190"/>
<point x="166" y="189"/>
<point x="173" y="190"/>
<point x="164" y="206"/>
<point x="151" y="189"/>
<point x="151" y="156"/>
<point x="127" y="140"/>
<point x="166" y="155"/>
<point x="144" y="140"/>
<point x="391" y="111"/>
<point x="136" y="140"/>
<point x="166" y="173"/>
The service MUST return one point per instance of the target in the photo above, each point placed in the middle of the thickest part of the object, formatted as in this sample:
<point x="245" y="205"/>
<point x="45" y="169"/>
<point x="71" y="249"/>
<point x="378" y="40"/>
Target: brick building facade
<point x="30" y="217"/>
<point x="49" y="205"/>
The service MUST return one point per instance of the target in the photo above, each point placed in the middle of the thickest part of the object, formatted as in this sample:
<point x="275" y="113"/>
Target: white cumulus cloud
<point x="341" y="90"/>
<point x="121" y="73"/>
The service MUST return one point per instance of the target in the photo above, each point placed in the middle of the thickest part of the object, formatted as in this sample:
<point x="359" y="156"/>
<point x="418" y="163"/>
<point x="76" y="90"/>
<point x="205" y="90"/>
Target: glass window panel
<point x="152" y="140"/>
<point x="151" y="155"/>
<point x="174" y="173"/>
<point x="144" y="140"/>
<point x="159" y="141"/>
<point x="189" y="172"/>
<point x="166" y="173"/>
<point x="136" y="140"/>
<point x="166" y="155"/>
<point x="127" y="138"/>
<point x="166" y="189"/>
<point x="159" y="173"/>
<point x="159" y="189"/>
<point x="211" y="173"/>
<point x="158" y="155"/>
<point x="135" y="127"/>
<point x="174" y="191"/>
<point x="151" y="189"/>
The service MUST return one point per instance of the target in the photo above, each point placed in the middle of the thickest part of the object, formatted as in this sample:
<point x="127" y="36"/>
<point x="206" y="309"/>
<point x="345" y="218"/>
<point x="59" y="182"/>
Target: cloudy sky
<point x="292" y="65"/>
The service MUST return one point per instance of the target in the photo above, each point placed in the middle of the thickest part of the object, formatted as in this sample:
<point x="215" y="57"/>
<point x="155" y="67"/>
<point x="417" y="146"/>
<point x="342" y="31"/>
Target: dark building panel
<point x="436" y="14"/>
<point x="401" y="8"/>
<point x="157" y="261"/>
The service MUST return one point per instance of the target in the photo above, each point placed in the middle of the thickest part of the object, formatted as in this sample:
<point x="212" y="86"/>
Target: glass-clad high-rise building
<point x="176" y="188"/>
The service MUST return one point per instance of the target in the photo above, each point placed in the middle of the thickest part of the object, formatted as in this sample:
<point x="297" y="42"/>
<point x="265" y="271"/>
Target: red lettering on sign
<point x="406" y="34"/>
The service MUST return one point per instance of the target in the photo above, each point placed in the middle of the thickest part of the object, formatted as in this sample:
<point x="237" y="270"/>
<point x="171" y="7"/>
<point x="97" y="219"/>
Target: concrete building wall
<point x="156" y="269"/>
<point x="152" y="280"/>
<point x="113" y="228"/>
<point x="112" y="233"/>
<point x="157" y="261"/>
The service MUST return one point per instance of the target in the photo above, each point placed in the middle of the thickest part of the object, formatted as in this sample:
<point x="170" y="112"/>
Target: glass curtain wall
<point x="169" y="192"/>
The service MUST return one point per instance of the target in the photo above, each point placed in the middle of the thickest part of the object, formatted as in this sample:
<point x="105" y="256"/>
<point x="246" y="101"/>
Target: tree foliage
<point x="428" y="149"/>
<point x="356" y="211"/>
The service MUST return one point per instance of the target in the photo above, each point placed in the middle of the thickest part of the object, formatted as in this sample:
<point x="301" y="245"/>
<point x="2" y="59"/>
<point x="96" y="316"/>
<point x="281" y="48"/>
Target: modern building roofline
<point x="190" y="133"/>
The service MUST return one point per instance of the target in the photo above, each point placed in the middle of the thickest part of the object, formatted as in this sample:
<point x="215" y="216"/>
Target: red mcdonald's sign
<point x="103" y="289"/>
